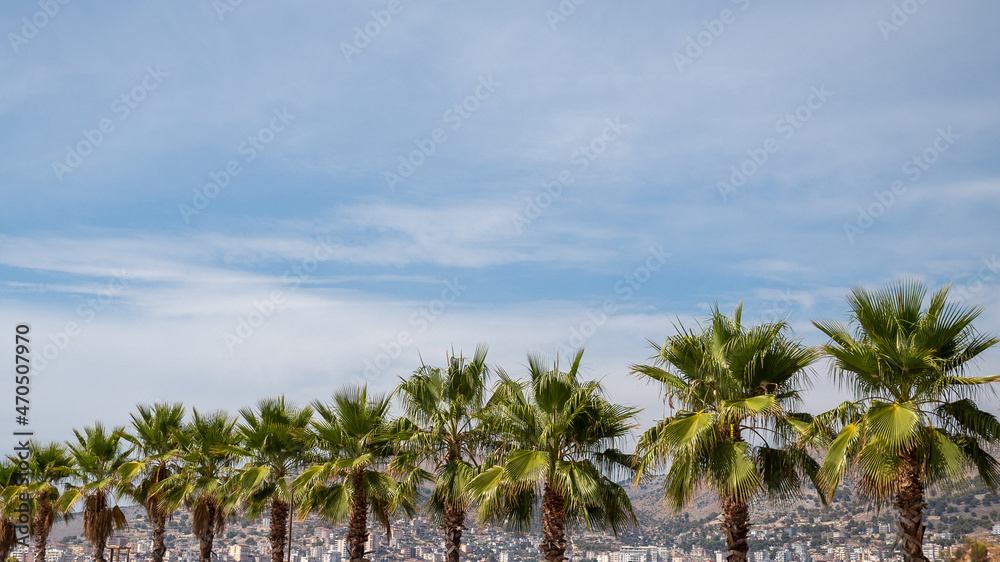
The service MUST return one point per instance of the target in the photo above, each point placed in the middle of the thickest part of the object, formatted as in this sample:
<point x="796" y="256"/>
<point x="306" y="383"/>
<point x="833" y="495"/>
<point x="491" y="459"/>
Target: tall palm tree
<point x="275" y="440"/>
<point x="154" y="435"/>
<point x="98" y="455"/>
<point x="204" y="483"/>
<point x="11" y="485"/>
<point x="356" y="441"/>
<point x="560" y="439"/>
<point x="734" y="429"/>
<point x="913" y="423"/>
<point x="442" y="406"/>
<point x="48" y="468"/>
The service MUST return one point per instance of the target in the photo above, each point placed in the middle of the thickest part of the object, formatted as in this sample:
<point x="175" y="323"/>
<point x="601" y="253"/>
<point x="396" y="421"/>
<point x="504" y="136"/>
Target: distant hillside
<point x="960" y="511"/>
<point x="965" y="510"/>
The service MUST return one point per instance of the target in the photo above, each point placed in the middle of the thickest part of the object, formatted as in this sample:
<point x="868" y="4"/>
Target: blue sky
<point x="232" y="202"/>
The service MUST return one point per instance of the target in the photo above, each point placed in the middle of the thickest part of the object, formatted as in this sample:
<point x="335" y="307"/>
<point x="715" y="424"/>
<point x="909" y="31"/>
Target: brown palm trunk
<point x="97" y="523"/>
<point x="735" y="513"/>
<point x="454" y="517"/>
<point x="159" y="523"/>
<point x="454" y="523"/>
<point x="157" y="516"/>
<point x="207" y="535"/>
<point x="910" y="503"/>
<point x="205" y="548"/>
<point x="357" y="531"/>
<point x="99" y="545"/>
<point x="42" y="526"/>
<point x="279" y="529"/>
<point x="553" y="545"/>
<point x="736" y="525"/>
<point x="8" y="536"/>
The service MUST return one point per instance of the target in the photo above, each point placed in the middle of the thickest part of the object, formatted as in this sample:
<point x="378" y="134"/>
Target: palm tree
<point x="275" y="439"/>
<point x="203" y="483"/>
<point x="356" y="439"/>
<point x="48" y="468"/>
<point x="559" y="439"/>
<point x="98" y="455"/>
<point x="154" y="435"/>
<point x="913" y="423"/>
<point x="734" y="430"/>
<point x="11" y="486"/>
<point x="442" y="406"/>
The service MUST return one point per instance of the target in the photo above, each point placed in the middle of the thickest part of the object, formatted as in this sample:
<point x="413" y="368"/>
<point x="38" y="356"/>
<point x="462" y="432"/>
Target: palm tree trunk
<point x="454" y="522"/>
<point x="553" y="544"/>
<point x="279" y="518"/>
<point x="159" y="523"/>
<point x="357" y="531"/>
<point x="98" y="523"/>
<point x="454" y="516"/>
<point x="205" y="548"/>
<point x="910" y="503"/>
<point x="157" y="516"/>
<point x="99" y="545"/>
<point x="736" y="525"/>
<point x="8" y="536"/>
<point x="206" y="530"/>
<point x="43" y="525"/>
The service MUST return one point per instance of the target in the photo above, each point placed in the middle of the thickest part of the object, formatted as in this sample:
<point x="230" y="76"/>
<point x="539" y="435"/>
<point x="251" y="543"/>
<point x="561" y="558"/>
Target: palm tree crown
<point x="204" y="482"/>
<point x="154" y="435"/>
<point x="275" y="440"/>
<point x="914" y="422"/>
<point x="11" y="486"/>
<point x="442" y="406"/>
<point x="734" y="429"/>
<point x="49" y="468"/>
<point x="355" y="439"/>
<point x="98" y="455"/>
<point x="559" y="439"/>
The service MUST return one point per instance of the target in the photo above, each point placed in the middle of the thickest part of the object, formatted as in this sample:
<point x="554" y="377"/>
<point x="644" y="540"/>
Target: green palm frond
<point x="735" y="430"/>
<point x="444" y="425"/>
<point x="355" y="444"/>
<point x="896" y="427"/>
<point x="906" y="354"/>
<point x="966" y="417"/>
<point x="554" y="433"/>
<point x="733" y="470"/>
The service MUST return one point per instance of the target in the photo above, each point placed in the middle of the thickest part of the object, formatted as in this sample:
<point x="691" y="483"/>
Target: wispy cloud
<point x="310" y="244"/>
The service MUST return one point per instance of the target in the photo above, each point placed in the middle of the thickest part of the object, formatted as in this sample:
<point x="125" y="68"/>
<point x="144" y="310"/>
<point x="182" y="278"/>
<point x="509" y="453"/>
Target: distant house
<point x="240" y="553"/>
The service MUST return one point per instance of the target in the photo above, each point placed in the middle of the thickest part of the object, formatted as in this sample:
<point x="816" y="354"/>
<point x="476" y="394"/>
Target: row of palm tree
<point x="913" y="423"/>
<point x="551" y="444"/>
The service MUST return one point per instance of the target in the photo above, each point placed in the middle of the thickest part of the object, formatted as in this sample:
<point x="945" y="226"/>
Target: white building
<point x="239" y="553"/>
<point x="634" y="554"/>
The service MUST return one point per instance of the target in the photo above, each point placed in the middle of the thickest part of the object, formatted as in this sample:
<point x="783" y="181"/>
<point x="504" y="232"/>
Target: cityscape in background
<point x="804" y="531"/>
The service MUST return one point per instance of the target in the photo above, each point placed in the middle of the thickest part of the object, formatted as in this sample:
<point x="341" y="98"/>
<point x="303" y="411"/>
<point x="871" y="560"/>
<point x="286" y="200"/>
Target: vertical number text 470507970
<point x="22" y="379"/>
